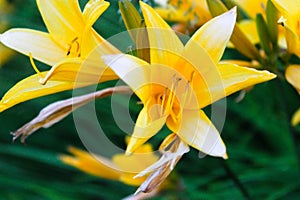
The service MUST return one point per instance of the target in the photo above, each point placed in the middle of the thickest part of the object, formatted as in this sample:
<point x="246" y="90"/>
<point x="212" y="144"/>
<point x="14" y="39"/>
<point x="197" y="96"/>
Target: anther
<point x="74" y="41"/>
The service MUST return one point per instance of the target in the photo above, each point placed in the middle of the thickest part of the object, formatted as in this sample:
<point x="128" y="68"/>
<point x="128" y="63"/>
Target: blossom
<point x="292" y="74"/>
<point x="290" y="20"/>
<point x="180" y="80"/>
<point x="5" y="9"/>
<point x="296" y="118"/>
<point x="119" y="168"/>
<point x="188" y="13"/>
<point x="70" y="39"/>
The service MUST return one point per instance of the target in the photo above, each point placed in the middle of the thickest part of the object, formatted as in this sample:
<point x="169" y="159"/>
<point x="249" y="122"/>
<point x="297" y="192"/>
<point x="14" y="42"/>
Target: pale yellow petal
<point x="292" y="40"/>
<point x="292" y="75"/>
<point x="288" y="7"/>
<point x="148" y="123"/>
<point x="78" y="70"/>
<point x="235" y="78"/>
<point x="38" y="43"/>
<point x="30" y="88"/>
<point x="136" y="162"/>
<point x="296" y="118"/>
<point x="92" y="11"/>
<point x="162" y="38"/>
<point x="63" y="19"/>
<point x="197" y="130"/>
<point x="214" y="35"/>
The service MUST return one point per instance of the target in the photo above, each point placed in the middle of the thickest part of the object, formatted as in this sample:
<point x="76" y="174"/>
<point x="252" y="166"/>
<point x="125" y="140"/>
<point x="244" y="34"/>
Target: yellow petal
<point x="291" y="12"/>
<point x="235" y="78"/>
<point x="146" y="81"/>
<point x="84" y="161"/>
<point x="77" y="70"/>
<point x="292" y="40"/>
<point x="63" y="19"/>
<point x="162" y="38"/>
<point x="239" y="62"/>
<point x="30" y="88"/>
<point x="249" y="29"/>
<point x="252" y="7"/>
<point x="92" y="11"/>
<point x="214" y="35"/>
<point x="194" y="12"/>
<point x="148" y="123"/>
<point x="38" y="43"/>
<point x="197" y="130"/>
<point x="288" y="7"/>
<point x="136" y="162"/>
<point x="292" y="75"/>
<point x="296" y="118"/>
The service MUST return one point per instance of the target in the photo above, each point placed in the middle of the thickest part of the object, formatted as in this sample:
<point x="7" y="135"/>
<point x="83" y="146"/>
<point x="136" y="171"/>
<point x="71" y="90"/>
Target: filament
<point x="34" y="66"/>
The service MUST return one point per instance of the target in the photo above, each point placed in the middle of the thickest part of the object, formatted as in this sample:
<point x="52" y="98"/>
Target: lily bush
<point x="172" y="87"/>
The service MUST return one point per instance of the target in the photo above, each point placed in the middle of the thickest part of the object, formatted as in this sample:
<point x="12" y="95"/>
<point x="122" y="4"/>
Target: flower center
<point x="171" y="103"/>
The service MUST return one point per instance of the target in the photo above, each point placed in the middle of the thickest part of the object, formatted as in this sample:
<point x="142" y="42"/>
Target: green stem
<point x="236" y="180"/>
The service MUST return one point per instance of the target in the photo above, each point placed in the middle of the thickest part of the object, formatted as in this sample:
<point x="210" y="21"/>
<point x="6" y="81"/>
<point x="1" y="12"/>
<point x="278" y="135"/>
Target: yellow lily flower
<point x="296" y="118"/>
<point x="120" y="168"/>
<point x="248" y="26"/>
<point x="70" y="39"/>
<point x="5" y="53"/>
<point x="187" y="13"/>
<point x="252" y="7"/>
<point x="70" y="31"/>
<point x="180" y="80"/>
<point x="290" y="10"/>
<point x="292" y="75"/>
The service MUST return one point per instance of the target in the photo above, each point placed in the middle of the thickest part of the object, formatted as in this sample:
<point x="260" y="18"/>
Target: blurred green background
<point x="262" y="147"/>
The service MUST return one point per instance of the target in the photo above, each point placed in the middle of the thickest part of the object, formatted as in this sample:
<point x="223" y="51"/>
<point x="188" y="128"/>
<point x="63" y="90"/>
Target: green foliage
<point x="262" y="151"/>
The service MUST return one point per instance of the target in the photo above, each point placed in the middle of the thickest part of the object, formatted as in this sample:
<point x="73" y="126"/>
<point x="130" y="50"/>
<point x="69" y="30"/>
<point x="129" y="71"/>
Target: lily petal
<point x="163" y="40"/>
<point x="30" y="88"/>
<point x="288" y="7"/>
<point x="292" y="40"/>
<point x="252" y="7"/>
<point x="235" y="78"/>
<point x="92" y="11"/>
<point x="63" y="19"/>
<point x="87" y="163"/>
<point x="249" y="29"/>
<point x="148" y="123"/>
<point x="194" y="13"/>
<point x="92" y="71"/>
<point x="38" y="43"/>
<point x="215" y="34"/>
<point x="197" y="130"/>
<point x="296" y="118"/>
<point x="292" y="75"/>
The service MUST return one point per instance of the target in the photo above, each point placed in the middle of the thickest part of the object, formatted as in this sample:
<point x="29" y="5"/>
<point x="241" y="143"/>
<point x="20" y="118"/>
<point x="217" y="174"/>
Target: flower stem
<point x="236" y="180"/>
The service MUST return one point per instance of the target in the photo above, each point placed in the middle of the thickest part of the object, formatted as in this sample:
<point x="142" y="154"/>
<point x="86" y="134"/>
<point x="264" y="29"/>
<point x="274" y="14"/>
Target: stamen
<point x="34" y="66"/>
<point x="74" y="41"/>
<point x="163" y="101"/>
<point x="171" y="96"/>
